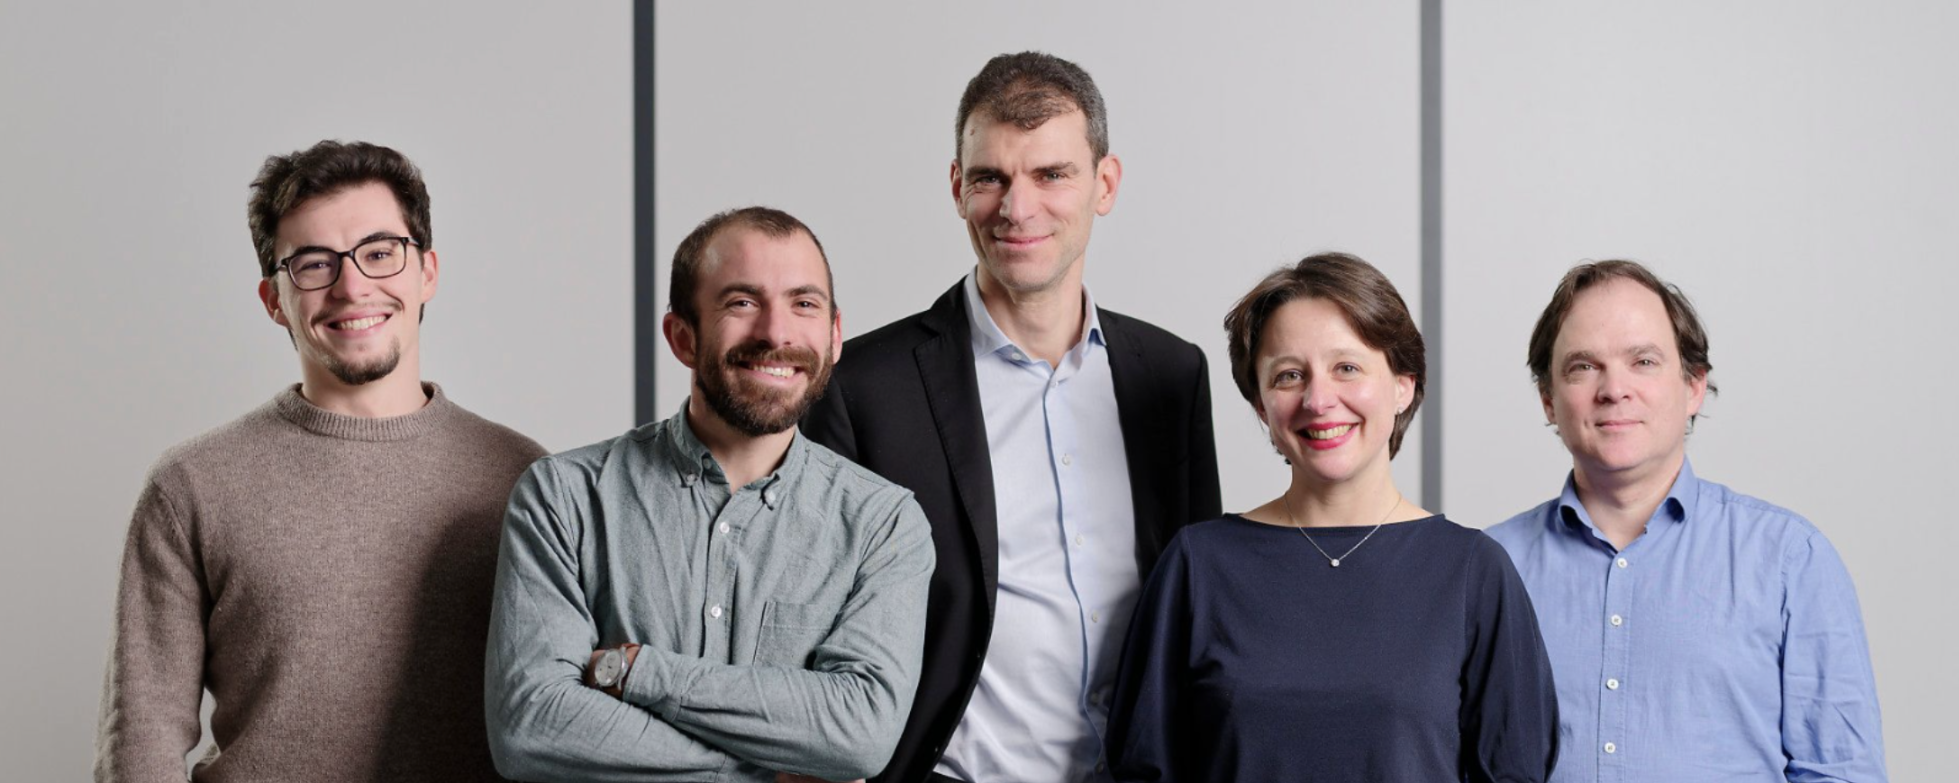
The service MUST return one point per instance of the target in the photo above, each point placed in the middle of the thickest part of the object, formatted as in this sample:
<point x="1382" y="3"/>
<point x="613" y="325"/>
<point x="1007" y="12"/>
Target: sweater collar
<point x="294" y="407"/>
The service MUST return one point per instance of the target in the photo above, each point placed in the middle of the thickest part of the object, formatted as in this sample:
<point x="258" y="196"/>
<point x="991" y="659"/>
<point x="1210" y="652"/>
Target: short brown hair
<point x="326" y="168"/>
<point x="1689" y="337"/>
<point x="1371" y="304"/>
<point x="687" y="259"/>
<point x="1028" y="89"/>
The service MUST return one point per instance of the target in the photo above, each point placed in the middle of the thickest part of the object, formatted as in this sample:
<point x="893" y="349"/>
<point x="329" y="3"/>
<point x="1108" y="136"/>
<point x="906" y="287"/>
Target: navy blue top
<point x="1251" y="658"/>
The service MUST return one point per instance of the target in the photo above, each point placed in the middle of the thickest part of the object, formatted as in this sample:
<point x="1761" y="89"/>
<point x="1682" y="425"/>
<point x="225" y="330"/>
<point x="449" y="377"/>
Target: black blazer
<point x="905" y="403"/>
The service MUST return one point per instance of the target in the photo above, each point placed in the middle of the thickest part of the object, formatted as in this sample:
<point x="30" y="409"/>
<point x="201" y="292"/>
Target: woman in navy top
<point x="1338" y="632"/>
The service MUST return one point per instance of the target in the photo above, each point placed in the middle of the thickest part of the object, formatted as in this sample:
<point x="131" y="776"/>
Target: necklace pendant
<point x="1336" y="562"/>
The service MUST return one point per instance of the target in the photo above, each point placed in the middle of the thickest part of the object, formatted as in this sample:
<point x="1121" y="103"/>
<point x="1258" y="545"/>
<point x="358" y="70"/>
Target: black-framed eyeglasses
<point x="315" y="268"/>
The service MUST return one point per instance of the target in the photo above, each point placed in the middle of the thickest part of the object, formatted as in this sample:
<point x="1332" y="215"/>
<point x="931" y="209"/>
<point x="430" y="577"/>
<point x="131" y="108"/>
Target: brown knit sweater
<point x="327" y="578"/>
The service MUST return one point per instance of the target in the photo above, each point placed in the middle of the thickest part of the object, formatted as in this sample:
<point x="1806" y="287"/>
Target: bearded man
<point x="713" y="596"/>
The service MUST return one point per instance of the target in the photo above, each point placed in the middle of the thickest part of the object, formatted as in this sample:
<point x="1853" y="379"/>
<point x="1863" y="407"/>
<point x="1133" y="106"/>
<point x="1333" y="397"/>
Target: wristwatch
<point x="611" y="668"/>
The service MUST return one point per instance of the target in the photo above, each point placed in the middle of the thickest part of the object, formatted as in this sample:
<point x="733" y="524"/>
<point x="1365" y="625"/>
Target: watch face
<point x="606" y="671"/>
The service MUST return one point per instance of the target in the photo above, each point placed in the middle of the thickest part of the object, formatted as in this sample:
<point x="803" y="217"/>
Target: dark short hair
<point x="688" y="257"/>
<point x="1371" y="304"/>
<point x="1689" y="337"/>
<point x="1368" y="300"/>
<point x="1028" y="89"/>
<point x="326" y="168"/>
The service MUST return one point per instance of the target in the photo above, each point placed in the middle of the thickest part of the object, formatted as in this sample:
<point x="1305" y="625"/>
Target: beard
<point x="753" y="408"/>
<point x="362" y="374"/>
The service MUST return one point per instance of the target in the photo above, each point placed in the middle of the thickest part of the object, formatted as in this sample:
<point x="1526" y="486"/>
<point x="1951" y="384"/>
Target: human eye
<point x="379" y="252"/>
<point x="1287" y="377"/>
<point x="312" y="263"/>
<point x="1347" y="368"/>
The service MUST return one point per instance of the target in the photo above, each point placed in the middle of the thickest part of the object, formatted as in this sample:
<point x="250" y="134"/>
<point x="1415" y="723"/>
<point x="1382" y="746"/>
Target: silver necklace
<point x="1331" y="560"/>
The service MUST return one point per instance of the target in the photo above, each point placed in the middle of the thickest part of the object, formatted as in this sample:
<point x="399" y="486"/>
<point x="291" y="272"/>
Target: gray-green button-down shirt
<point x="781" y="622"/>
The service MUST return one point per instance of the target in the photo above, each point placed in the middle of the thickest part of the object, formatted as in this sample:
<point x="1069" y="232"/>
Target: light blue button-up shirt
<point x="1724" y="643"/>
<point x="1068" y="577"/>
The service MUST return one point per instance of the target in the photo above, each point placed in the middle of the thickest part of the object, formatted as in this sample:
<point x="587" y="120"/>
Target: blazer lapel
<point x="945" y="367"/>
<point x="1129" y="371"/>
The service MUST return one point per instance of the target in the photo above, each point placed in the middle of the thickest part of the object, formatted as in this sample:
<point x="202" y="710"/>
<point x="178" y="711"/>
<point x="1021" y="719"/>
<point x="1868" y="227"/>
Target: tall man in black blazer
<point x="1055" y="446"/>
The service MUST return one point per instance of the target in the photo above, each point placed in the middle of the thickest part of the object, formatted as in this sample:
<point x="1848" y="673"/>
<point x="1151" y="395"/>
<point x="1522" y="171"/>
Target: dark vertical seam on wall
<point x="1432" y="289"/>
<point x="646" y="311"/>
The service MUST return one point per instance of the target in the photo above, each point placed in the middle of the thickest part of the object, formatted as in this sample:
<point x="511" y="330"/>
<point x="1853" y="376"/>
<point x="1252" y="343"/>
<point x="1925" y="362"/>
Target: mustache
<point x="761" y="352"/>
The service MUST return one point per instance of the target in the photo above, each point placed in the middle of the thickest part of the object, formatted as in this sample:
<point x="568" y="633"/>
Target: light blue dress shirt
<point x="1723" y="644"/>
<point x="1068" y="576"/>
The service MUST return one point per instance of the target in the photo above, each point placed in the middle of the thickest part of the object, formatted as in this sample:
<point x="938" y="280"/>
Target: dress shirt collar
<point x="1681" y="500"/>
<point x="987" y="337"/>
<point x="691" y="458"/>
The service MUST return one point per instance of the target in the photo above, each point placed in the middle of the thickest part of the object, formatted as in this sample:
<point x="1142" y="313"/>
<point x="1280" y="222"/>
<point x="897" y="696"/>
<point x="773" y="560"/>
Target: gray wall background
<point x="128" y="135"/>
<point x="1790" y="165"/>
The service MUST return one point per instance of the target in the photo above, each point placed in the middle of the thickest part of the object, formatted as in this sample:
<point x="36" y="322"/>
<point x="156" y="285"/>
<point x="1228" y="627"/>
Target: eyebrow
<point x="362" y="241"/>
<point x="1064" y="167"/>
<point x="1635" y="350"/>
<point x="754" y="290"/>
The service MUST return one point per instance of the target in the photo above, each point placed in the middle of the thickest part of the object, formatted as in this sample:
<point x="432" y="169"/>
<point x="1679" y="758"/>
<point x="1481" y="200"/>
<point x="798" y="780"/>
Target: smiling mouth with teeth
<point x="1328" y="434"/>
<point x="358" y="323"/>
<point x="779" y="372"/>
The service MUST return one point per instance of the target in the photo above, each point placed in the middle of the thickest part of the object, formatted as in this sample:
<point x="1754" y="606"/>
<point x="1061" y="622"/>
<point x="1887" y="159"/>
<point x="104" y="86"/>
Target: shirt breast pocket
<point x="791" y="632"/>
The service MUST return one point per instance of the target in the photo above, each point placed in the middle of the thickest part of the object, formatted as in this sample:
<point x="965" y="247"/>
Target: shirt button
<point x="1611" y="748"/>
<point x="1095" y="617"/>
<point x="723" y="528"/>
<point x="1101" y="765"/>
<point x="1623" y="563"/>
<point x="714" y="612"/>
<point x="1617" y="620"/>
<point x="1079" y="540"/>
<point x="1612" y="684"/>
<point x="1067" y="460"/>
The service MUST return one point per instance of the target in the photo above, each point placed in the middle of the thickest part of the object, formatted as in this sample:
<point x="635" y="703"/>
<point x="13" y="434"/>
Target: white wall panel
<point x="128" y="137"/>
<point x="1250" y="136"/>
<point x="1791" y="167"/>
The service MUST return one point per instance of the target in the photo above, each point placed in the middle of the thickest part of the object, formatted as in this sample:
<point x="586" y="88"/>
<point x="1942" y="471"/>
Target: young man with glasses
<point x="322" y="566"/>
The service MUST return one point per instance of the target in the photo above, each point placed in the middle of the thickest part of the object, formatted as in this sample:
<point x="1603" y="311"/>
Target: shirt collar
<point x="987" y="337"/>
<point x="1682" y="499"/>
<point x="693" y="460"/>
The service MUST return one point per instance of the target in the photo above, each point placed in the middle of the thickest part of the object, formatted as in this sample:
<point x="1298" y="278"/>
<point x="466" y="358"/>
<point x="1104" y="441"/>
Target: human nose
<point x="1612" y="386"/>
<point x="353" y="282"/>
<point x="773" y="325"/>
<point x="1319" y="399"/>
<point x="1016" y="204"/>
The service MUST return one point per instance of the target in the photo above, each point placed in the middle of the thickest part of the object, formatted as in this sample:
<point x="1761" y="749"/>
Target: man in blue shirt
<point x="1696" y="633"/>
